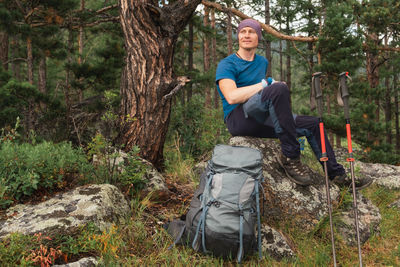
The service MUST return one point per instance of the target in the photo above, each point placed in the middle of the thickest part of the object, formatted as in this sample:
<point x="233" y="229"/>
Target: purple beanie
<point x="252" y="24"/>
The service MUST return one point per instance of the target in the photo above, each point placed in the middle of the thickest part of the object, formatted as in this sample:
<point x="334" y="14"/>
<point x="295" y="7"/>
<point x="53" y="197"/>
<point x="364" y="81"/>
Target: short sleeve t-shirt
<point x="242" y="72"/>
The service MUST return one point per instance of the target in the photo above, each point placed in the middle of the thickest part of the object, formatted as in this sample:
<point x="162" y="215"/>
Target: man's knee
<point x="276" y="90"/>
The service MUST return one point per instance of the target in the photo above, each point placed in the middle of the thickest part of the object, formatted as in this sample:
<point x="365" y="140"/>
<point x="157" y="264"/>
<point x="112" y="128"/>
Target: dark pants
<point x="268" y="114"/>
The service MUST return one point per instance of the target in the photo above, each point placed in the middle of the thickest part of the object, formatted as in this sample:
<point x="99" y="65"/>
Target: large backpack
<point x="225" y="207"/>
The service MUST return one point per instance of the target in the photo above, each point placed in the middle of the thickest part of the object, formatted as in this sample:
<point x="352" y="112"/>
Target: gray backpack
<point x="225" y="208"/>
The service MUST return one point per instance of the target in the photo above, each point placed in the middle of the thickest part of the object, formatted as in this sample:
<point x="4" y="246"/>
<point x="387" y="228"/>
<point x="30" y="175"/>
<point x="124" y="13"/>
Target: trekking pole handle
<point x="344" y="91"/>
<point x="318" y="92"/>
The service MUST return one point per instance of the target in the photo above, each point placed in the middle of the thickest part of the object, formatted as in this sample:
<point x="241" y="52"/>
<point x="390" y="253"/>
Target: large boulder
<point x="155" y="182"/>
<point x="276" y="244"/>
<point x="286" y="201"/>
<point x="101" y="204"/>
<point x="368" y="221"/>
<point x="382" y="174"/>
<point x="304" y="206"/>
<point x="85" y="262"/>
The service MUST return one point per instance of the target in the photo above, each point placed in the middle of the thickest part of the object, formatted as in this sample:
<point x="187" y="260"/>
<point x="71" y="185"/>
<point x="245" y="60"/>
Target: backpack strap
<point x="240" y="252"/>
<point x="202" y="220"/>
<point x="258" y="218"/>
<point x="178" y="238"/>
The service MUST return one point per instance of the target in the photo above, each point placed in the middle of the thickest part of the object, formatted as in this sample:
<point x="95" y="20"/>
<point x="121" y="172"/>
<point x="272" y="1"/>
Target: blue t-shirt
<point x="243" y="72"/>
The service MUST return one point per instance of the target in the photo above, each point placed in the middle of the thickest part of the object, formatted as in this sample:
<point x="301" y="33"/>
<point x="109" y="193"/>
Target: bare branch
<point x="267" y="28"/>
<point x="97" y="22"/>
<point x="104" y="9"/>
<point x="182" y="80"/>
<point x="302" y="55"/>
<point x="15" y="59"/>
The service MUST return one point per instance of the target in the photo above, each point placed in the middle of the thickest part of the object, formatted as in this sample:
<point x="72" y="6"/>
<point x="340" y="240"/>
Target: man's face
<point x="248" y="38"/>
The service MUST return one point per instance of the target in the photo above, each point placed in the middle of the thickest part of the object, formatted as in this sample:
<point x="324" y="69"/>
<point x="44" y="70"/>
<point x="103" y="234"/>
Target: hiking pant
<point x="268" y="114"/>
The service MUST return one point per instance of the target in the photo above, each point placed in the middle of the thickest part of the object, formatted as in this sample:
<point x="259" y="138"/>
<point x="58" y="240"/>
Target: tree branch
<point x="104" y="9"/>
<point x="97" y="22"/>
<point x="267" y="28"/>
<point x="15" y="59"/>
<point x="302" y="55"/>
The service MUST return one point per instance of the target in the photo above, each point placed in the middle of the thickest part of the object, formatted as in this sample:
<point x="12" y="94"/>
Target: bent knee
<point x="276" y="89"/>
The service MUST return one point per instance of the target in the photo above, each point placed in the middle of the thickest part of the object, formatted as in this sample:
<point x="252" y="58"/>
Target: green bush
<point x="110" y="166"/>
<point x="197" y="128"/>
<point x="26" y="168"/>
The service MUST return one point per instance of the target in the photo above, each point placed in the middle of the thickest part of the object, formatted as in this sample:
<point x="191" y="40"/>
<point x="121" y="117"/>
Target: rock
<point x="155" y="182"/>
<point x="101" y="204"/>
<point x="200" y="167"/>
<point x="382" y="174"/>
<point x="85" y="262"/>
<point x="286" y="201"/>
<point x="368" y="217"/>
<point x="275" y="244"/>
<point x="305" y="206"/>
<point x="395" y="204"/>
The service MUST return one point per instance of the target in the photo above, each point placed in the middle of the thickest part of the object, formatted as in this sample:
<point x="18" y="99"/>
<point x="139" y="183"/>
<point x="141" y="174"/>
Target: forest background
<point x="84" y="75"/>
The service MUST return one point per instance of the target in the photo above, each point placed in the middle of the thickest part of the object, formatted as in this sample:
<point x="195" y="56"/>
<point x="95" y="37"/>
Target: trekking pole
<point x="345" y="97"/>
<point x="324" y="157"/>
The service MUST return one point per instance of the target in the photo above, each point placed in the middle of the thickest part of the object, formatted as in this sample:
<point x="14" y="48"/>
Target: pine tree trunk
<point x="190" y="60"/>
<point x="206" y="54"/>
<point x="288" y="66"/>
<point x="268" y="53"/>
<point x="15" y="65"/>
<point x="80" y="49"/>
<point x="388" y="104"/>
<point x="42" y="78"/>
<point x="30" y="109"/>
<point x="214" y="56"/>
<point x="4" y="49"/>
<point x="329" y="112"/>
<point x="229" y="31"/>
<point x="147" y="80"/>
<point x="396" y="110"/>
<point x="281" y="78"/>
<point x="388" y="111"/>
<point x="373" y="78"/>
<point x="67" y="88"/>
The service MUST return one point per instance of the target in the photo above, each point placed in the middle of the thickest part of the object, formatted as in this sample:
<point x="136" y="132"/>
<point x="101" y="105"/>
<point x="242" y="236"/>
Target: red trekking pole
<point x="316" y="87"/>
<point x="344" y="93"/>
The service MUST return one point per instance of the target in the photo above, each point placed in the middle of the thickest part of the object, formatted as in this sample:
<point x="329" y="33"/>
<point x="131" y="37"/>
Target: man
<point x="254" y="107"/>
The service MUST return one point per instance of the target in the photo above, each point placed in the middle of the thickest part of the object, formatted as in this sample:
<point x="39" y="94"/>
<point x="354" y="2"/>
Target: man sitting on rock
<point x="254" y="107"/>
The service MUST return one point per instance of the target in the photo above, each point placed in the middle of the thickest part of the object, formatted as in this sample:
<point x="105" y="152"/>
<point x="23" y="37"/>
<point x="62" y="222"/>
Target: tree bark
<point x="4" y="49"/>
<point x="42" y="78"/>
<point x="229" y="32"/>
<point x="15" y="65"/>
<point x="214" y="55"/>
<point x="396" y="110"/>
<point x="388" y="103"/>
<point x="190" y="60"/>
<point x="281" y="78"/>
<point x="206" y="54"/>
<point x="30" y="109"/>
<point x="147" y="81"/>
<point x="80" y="48"/>
<point x="268" y="53"/>
<point x="373" y="78"/>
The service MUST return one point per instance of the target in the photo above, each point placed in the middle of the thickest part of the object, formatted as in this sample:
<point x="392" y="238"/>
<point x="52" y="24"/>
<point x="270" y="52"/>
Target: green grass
<point x="140" y="240"/>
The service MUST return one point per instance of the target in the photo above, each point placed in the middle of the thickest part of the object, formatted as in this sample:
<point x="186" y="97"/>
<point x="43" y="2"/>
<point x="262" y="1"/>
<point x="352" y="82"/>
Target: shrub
<point x="26" y="168"/>
<point x="111" y="165"/>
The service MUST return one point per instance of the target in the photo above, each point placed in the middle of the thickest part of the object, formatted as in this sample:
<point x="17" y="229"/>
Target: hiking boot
<point x="343" y="180"/>
<point x="295" y="170"/>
